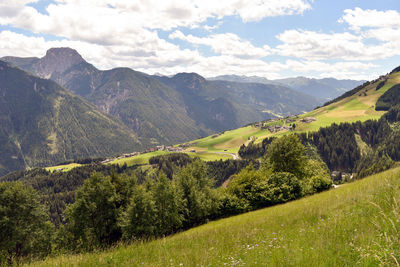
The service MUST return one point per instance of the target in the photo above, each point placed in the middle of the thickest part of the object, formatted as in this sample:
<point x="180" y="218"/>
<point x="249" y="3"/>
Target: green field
<point x="143" y="159"/>
<point x="64" y="168"/>
<point x="355" y="224"/>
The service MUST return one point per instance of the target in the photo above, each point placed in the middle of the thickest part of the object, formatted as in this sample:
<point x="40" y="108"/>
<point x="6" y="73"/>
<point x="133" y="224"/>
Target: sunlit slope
<point x="358" y="107"/>
<point x="348" y="226"/>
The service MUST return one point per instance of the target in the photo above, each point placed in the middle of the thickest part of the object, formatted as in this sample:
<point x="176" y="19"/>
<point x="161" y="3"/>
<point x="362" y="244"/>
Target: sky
<point x="344" y="39"/>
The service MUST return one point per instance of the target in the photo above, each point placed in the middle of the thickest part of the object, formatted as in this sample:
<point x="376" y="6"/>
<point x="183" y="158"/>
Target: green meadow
<point x="64" y="168"/>
<point x="355" y="224"/>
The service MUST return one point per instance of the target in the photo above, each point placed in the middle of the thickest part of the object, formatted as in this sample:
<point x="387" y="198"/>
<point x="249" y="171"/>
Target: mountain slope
<point x="166" y="110"/>
<point x="154" y="111"/>
<point x="222" y="105"/>
<point x="42" y="123"/>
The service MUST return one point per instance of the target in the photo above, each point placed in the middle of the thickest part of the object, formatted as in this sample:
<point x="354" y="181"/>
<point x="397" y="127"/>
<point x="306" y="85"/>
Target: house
<point x="308" y="119"/>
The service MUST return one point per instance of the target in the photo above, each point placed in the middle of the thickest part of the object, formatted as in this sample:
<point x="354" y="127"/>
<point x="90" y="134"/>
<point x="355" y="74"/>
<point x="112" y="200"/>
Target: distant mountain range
<point x="42" y="123"/>
<point x="323" y="89"/>
<point x="162" y="110"/>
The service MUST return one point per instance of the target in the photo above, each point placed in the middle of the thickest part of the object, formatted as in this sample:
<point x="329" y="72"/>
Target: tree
<point x="139" y="221"/>
<point x="197" y="194"/>
<point x="24" y="226"/>
<point x="92" y="219"/>
<point x="285" y="154"/>
<point x="168" y="205"/>
<point x="250" y="185"/>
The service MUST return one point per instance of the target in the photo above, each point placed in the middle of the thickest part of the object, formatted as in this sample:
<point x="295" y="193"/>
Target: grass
<point x="64" y="168"/>
<point x="355" y="224"/>
<point x="141" y="159"/>
<point x="210" y="156"/>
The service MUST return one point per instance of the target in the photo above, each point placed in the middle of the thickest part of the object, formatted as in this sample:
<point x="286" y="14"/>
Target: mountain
<point x="163" y="110"/>
<point x="42" y="124"/>
<point x="155" y="112"/>
<point x="223" y="105"/>
<point x="242" y="79"/>
<point x="324" y="89"/>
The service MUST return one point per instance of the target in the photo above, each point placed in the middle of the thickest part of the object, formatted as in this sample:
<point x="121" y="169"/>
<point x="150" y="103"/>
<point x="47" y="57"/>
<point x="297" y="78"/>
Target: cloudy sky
<point x="356" y="39"/>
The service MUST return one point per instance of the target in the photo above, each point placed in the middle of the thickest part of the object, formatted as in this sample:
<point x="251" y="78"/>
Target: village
<point x="288" y="124"/>
<point x="178" y="148"/>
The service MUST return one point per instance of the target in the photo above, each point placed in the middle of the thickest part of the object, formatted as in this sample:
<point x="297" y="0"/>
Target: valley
<point x="357" y="107"/>
<point x="199" y="133"/>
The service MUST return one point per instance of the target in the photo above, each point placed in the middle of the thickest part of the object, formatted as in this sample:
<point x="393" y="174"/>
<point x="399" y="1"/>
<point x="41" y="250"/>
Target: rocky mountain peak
<point x="58" y="60"/>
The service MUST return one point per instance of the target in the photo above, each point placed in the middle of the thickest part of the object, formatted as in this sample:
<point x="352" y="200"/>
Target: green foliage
<point x="373" y="163"/>
<point x="251" y="186"/>
<point x="318" y="175"/>
<point x="285" y="154"/>
<point x="92" y="219"/>
<point x="230" y="204"/>
<point x="168" y="205"/>
<point x="167" y="163"/>
<point x="197" y="195"/>
<point x="283" y="187"/>
<point x="221" y="170"/>
<point x="24" y="226"/>
<point x="140" y="219"/>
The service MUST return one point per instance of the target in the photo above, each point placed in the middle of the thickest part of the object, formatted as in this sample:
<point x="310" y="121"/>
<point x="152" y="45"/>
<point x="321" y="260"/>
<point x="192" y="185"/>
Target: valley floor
<point x="355" y="224"/>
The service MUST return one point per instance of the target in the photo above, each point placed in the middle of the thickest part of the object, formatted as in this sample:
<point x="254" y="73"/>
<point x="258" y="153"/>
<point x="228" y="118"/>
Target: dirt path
<point x="226" y="153"/>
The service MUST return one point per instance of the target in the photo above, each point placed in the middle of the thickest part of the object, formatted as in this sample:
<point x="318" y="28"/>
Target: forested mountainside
<point x="236" y="103"/>
<point x="162" y="110"/>
<point x="323" y="89"/>
<point x="42" y="124"/>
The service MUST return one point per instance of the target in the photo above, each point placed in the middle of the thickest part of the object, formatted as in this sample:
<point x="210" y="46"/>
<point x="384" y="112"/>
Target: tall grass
<point x="355" y="224"/>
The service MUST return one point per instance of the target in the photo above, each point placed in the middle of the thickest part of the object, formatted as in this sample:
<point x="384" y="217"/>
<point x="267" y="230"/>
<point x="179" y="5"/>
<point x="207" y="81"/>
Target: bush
<point x="283" y="187"/>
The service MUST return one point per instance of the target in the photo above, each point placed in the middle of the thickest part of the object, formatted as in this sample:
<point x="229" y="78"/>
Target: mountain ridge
<point x="324" y="88"/>
<point x="154" y="108"/>
<point x="42" y="124"/>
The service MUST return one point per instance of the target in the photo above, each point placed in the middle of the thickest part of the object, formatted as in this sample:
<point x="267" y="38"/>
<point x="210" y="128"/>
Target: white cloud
<point x="111" y="33"/>
<point x="319" y="46"/>
<point x="359" y="18"/>
<point x="226" y="44"/>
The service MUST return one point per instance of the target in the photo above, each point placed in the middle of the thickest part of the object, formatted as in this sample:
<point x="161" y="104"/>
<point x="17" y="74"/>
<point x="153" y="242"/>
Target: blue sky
<point x="357" y="39"/>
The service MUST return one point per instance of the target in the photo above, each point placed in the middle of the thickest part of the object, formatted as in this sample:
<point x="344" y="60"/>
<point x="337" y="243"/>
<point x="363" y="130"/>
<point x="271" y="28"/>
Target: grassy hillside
<point x="358" y="107"/>
<point x="354" y="224"/>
